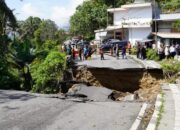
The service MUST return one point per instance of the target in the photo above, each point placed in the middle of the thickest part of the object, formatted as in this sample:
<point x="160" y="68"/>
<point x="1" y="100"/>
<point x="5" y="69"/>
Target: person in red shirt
<point x="129" y="47"/>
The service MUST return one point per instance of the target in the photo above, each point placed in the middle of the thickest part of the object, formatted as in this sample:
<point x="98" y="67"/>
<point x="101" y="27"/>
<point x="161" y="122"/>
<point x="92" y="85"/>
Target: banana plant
<point x="20" y="56"/>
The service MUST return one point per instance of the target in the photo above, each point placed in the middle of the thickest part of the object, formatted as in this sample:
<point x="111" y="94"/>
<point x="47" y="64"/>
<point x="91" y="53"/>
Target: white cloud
<point x="29" y="10"/>
<point x="61" y="15"/>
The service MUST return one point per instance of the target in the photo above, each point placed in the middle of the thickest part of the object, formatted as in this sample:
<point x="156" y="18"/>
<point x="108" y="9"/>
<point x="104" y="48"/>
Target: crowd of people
<point x="164" y="51"/>
<point x="168" y="51"/>
<point x="141" y="51"/>
<point x="83" y="52"/>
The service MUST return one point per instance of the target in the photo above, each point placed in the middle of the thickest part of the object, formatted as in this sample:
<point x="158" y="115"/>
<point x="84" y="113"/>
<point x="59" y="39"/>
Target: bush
<point x="50" y="45"/>
<point x="47" y="74"/>
<point x="152" y="55"/>
<point x="8" y="79"/>
<point x="134" y="51"/>
<point x="170" y="68"/>
<point x="170" y="65"/>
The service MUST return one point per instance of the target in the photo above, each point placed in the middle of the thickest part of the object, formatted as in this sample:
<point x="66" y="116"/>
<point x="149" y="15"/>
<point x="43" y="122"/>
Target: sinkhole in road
<point x="142" y="81"/>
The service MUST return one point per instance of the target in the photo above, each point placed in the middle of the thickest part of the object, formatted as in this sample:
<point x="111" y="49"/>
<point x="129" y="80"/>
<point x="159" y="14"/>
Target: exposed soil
<point x="143" y="83"/>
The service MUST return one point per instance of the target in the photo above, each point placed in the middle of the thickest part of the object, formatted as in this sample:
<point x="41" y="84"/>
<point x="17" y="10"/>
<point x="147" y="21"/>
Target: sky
<point x="56" y="10"/>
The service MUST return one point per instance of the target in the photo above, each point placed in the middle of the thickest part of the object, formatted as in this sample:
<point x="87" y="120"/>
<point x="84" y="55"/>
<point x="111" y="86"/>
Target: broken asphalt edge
<point x="144" y="63"/>
<point x="139" y="118"/>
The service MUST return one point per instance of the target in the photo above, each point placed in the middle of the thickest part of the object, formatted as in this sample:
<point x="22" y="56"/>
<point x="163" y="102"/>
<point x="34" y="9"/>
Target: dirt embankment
<point x="145" y="83"/>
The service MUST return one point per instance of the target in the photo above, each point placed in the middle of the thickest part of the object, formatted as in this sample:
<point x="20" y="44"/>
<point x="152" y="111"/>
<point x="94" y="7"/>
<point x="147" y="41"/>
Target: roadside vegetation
<point x="30" y="56"/>
<point x="171" y="69"/>
<point x="152" y="54"/>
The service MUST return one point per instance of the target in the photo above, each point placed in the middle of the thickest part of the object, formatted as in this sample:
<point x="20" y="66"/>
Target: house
<point x="165" y="31"/>
<point x="130" y="22"/>
<point x="138" y="21"/>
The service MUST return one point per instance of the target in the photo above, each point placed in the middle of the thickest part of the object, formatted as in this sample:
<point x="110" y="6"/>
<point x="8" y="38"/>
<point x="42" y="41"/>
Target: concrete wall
<point x="97" y="36"/>
<point x="142" y="14"/>
<point x="138" y="34"/>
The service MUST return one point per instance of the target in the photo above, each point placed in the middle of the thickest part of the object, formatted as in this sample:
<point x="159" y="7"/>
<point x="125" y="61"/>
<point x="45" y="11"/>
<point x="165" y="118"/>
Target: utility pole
<point x="155" y="22"/>
<point x="113" y="19"/>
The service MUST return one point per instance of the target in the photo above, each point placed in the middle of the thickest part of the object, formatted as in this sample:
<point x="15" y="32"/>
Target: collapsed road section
<point x="120" y="75"/>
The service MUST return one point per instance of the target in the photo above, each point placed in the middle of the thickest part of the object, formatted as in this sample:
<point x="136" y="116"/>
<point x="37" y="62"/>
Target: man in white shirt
<point x="172" y="51"/>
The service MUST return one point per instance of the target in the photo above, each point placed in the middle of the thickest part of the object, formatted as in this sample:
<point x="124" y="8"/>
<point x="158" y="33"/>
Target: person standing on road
<point x="86" y="52"/>
<point x="177" y="47"/>
<point x="80" y="52"/>
<point x="73" y="53"/>
<point x="101" y="53"/>
<point x="166" y="52"/>
<point x="172" y="51"/>
<point x="117" y="51"/>
<point x="143" y="53"/>
<point x="129" y="47"/>
<point x="138" y="49"/>
<point x="161" y="52"/>
<point x="124" y="52"/>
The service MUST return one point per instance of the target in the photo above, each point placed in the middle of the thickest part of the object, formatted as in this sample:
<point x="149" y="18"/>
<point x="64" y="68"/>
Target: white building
<point x="130" y="22"/>
<point x="166" y="33"/>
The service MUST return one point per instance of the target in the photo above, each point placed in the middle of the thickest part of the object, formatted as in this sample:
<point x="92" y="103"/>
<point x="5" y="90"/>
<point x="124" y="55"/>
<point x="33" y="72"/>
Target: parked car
<point x="82" y="43"/>
<point x="112" y="42"/>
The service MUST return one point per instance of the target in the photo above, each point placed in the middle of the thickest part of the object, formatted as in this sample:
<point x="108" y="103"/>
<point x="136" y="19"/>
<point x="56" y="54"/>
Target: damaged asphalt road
<point x="25" y="111"/>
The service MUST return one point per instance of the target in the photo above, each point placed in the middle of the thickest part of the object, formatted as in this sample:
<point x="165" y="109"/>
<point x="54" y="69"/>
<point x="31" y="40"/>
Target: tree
<point x="7" y="22"/>
<point x="28" y="27"/>
<point x="168" y="6"/>
<point x="92" y="15"/>
<point x="46" y="31"/>
<point x="61" y="35"/>
<point x="88" y="17"/>
<point x="20" y="57"/>
<point x="7" y="17"/>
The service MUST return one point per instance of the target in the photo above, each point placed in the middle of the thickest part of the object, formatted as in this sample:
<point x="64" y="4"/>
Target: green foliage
<point x="20" y="56"/>
<point x="50" y="45"/>
<point x="114" y="3"/>
<point x="48" y="73"/>
<point x="34" y="52"/>
<point x="7" y="17"/>
<point x="152" y="54"/>
<point x="61" y="35"/>
<point x="8" y="80"/>
<point x="28" y="27"/>
<point x="134" y="51"/>
<point x="170" y="65"/>
<point x="170" y="68"/>
<point x="88" y="17"/>
<point x="176" y="25"/>
<point x="168" y="6"/>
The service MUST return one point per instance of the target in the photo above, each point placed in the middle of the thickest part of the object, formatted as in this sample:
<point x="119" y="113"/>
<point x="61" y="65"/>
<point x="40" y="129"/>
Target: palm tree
<point x="7" y="20"/>
<point x="7" y="17"/>
<point x="20" y="56"/>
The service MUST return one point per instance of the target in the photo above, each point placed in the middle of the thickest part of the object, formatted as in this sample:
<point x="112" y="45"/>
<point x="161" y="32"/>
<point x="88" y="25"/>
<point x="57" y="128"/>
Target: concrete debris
<point x="92" y="93"/>
<point x="129" y="97"/>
